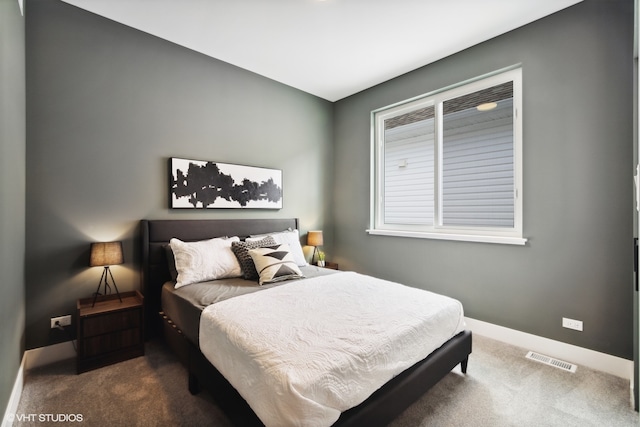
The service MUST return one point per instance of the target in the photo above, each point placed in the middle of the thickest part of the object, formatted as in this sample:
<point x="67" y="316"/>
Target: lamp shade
<point x="314" y="238"/>
<point x="106" y="253"/>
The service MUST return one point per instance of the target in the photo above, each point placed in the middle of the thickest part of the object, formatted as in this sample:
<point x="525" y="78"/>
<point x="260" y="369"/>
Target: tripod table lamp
<point x="106" y="254"/>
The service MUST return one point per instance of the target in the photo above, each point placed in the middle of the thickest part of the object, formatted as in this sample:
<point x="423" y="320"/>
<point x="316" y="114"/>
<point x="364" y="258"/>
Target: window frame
<point x="512" y="235"/>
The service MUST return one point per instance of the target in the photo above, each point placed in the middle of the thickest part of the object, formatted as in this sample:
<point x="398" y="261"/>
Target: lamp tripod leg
<point x="97" y="292"/>
<point x="105" y="277"/>
<point x="114" y="284"/>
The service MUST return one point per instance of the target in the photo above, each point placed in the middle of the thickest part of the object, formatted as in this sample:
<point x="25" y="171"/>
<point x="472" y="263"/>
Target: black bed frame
<point x="379" y="409"/>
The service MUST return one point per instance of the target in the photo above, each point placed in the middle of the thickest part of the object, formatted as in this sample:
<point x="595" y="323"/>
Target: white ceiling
<point x="330" y="48"/>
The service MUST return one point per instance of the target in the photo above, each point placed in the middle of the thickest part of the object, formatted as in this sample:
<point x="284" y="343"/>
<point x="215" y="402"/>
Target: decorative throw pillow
<point x="291" y="238"/>
<point x="204" y="260"/>
<point x="241" y="250"/>
<point x="275" y="263"/>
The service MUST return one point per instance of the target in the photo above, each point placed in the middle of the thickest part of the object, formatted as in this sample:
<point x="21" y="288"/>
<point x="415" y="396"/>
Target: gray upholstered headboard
<point x="156" y="235"/>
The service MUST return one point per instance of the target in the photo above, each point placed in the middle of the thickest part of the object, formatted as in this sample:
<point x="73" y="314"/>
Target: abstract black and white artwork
<point x="197" y="184"/>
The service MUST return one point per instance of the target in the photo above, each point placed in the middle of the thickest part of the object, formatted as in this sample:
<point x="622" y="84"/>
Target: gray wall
<point x="12" y="195"/>
<point x="578" y="168"/>
<point x="106" y="107"/>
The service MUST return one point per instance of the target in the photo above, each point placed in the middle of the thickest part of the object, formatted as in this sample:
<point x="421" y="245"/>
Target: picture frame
<point x="202" y="184"/>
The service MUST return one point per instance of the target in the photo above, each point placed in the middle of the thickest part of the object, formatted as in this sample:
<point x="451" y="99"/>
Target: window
<point x="448" y="165"/>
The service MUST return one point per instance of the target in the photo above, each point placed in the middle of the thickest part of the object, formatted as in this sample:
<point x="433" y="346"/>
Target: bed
<point x="176" y="320"/>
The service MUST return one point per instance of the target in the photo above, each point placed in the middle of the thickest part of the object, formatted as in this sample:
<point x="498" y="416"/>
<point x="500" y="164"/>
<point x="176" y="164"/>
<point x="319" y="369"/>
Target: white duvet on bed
<point x="302" y="353"/>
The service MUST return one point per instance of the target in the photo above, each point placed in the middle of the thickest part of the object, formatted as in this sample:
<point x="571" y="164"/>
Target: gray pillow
<point x="241" y="250"/>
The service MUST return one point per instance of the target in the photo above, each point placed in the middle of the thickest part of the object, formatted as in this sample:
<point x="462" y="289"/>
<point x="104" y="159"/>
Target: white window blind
<point x="448" y="164"/>
<point x="409" y="168"/>
<point x="478" y="167"/>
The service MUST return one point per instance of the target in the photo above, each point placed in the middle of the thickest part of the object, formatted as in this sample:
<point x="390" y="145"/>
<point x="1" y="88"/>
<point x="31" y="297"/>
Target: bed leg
<point x="463" y="365"/>
<point x="194" y="387"/>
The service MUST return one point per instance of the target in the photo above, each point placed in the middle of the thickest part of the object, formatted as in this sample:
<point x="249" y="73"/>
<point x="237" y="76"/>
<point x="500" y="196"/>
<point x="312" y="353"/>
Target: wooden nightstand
<point x="331" y="265"/>
<point x="111" y="331"/>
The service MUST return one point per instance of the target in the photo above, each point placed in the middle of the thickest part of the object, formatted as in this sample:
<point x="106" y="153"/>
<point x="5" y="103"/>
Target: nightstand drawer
<point x="111" y="342"/>
<point x="117" y="321"/>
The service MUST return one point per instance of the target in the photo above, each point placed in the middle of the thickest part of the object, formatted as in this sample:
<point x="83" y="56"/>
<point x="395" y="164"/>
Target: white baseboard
<point x="613" y="365"/>
<point x="14" y="399"/>
<point x="50" y="354"/>
<point x="33" y="359"/>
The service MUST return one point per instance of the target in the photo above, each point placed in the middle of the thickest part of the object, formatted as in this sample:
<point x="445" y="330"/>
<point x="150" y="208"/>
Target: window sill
<point x="458" y="237"/>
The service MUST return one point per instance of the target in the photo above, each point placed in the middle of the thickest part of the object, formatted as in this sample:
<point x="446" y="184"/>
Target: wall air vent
<point x="560" y="364"/>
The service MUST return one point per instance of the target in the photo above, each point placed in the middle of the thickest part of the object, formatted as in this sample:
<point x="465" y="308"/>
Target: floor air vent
<point x="560" y="364"/>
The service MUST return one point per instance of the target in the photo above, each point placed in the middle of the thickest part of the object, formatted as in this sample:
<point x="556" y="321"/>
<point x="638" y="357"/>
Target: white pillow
<point x="204" y="260"/>
<point x="275" y="264"/>
<point x="291" y="238"/>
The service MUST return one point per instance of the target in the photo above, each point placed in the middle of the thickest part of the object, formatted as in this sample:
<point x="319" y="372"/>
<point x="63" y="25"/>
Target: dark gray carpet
<point x="502" y="388"/>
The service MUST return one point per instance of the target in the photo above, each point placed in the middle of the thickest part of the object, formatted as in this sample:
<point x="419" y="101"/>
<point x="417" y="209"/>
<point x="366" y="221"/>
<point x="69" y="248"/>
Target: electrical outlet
<point x="64" y="321"/>
<point x="572" y="324"/>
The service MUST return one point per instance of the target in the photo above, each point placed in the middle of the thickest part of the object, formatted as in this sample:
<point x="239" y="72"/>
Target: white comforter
<point x="302" y="353"/>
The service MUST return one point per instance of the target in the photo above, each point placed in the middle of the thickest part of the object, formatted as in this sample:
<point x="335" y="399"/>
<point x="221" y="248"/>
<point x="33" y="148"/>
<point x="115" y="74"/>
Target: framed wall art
<point x="200" y="184"/>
